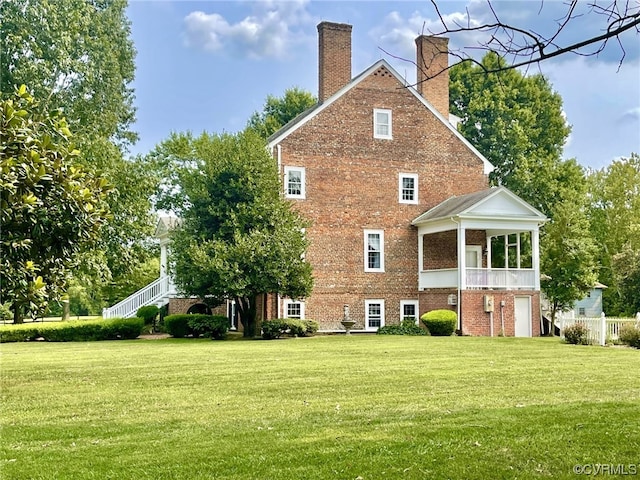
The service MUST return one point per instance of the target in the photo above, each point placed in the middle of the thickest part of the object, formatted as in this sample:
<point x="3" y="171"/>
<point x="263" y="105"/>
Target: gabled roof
<point x="307" y="115"/>
<point x="493" y="202"/>
<point x="166" y="224"/>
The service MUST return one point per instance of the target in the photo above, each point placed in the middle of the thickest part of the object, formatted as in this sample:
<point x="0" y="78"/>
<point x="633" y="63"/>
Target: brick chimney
<point x="432" y="60"/>
<point x="334" y="58"/>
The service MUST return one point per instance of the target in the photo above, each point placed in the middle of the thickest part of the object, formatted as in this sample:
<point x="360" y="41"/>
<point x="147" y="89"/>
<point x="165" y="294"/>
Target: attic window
<point x="382" y="124"/>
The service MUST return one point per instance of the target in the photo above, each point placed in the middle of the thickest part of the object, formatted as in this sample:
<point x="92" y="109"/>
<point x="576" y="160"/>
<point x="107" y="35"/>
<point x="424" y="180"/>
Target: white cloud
<point x="632" y="114"/>
<point x="270" y="32"/>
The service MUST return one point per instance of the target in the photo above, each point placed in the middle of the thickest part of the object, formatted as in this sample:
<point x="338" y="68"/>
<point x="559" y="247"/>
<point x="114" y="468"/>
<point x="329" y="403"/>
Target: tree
<point x="522" y="47"/>
<point x="278" y="111"/>
<point x="568" y="258"/>
<point x="514" y="120"/>
<point x="615" y="225"/>
<point x="52" y="208"/>
<point x="239" y="237"/>
<point x="77" y="55"/>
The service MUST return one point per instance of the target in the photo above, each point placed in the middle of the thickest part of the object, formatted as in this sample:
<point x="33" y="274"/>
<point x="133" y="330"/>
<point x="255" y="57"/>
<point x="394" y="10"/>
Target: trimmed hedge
<point x="148" y="313"/>
<point x="74" y="331"/>
<point x="272" y="329"/>
<point x="182" y="325"/>
<point x="440" y="323"/>
<point x="407" y="327"/>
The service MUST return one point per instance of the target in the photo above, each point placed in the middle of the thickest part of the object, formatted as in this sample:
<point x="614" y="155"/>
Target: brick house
<point x="402" y="217"/>
<point x="393" y="192"/>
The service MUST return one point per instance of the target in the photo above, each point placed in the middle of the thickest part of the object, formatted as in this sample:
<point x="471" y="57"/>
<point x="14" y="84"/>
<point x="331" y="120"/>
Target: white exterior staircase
<point x="157" y="293"/>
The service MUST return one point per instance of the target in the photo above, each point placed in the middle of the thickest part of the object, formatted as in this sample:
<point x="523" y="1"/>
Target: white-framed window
<point x="582" y="311"/>
<point x="409" y="309"/>
<point x="374" y="250"/>
<point x="293" y="308"/>
<point x="382" y="124"/>
<point x="408" y="188"/>
<point x="294" y="182"/>
<point x="374" y="314"/>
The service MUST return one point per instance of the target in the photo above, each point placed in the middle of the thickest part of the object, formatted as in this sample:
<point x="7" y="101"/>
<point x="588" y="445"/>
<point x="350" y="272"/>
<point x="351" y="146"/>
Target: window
<point x="374" y="251"/>
<point x="293" y="309"/>
<point x="408" y="188"/>
<point x="374" y="313"/>
<point x="294" y="182"/>
<point x="382" y="124"/>
<point x="581" y="311"/>
<point x="409" y="309"/>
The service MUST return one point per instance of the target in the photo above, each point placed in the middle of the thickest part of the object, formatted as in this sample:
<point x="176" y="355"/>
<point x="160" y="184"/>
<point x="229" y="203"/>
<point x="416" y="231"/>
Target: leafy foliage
<point x="440" y="323"/>
<point x="182" y="325"/>
<point x="568" y="258"/>
<point x="148" y="313"/>
<point x="52" y="209"/>
<point x="78" y="56"/>
<point x="576" y="334"/>
<point x="239" y="237"/>
<point x="516" y="122"/>
<point x="278" y="111"/>
<point x="630" y="335"/>
<point x="407" y="327"/>
<point x="74" y="331"/>
<point x="272" y="329"/>
<point x="614" y="215"/>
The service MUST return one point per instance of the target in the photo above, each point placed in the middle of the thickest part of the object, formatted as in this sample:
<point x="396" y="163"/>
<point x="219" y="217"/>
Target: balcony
<point x="480" y="278"/>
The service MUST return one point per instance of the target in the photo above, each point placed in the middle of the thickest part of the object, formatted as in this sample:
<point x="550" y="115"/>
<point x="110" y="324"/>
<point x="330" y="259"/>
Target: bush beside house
<point x="440" y="323"/>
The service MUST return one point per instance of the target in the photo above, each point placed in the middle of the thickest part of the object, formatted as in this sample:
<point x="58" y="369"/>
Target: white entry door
<point x="523" y="316"/>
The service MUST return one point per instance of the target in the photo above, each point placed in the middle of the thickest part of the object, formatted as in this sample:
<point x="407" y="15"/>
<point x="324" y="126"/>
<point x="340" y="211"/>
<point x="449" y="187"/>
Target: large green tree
<point x="77" y="55"/>
<point x="52" y="208"/>
<point x="615" y="224"/>
<point x="278" y="111"/>
<point x="516" y="122"/>
<point x="239" y="237"/>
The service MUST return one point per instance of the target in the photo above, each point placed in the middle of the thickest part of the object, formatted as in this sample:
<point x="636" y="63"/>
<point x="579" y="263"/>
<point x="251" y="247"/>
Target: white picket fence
<point x="601" y="329"/>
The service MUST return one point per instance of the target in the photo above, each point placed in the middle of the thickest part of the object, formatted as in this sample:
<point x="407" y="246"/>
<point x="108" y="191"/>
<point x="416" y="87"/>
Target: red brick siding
<point x="352" y="185"/>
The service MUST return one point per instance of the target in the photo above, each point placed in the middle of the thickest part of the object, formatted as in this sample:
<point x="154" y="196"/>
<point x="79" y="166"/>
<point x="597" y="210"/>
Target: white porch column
<point x="535" y="256"/>
<point x="462" y="257"/>
<point x="163" y="259"/>
<point x="420" y="254"/>
<point x="488" y="251"/>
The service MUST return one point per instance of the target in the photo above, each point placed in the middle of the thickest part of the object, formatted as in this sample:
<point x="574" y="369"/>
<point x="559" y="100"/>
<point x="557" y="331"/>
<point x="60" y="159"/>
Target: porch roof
<point x="493" y="208"/>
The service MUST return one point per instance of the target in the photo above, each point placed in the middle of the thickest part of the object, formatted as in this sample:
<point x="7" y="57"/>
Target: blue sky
<point x="208" y="65"/>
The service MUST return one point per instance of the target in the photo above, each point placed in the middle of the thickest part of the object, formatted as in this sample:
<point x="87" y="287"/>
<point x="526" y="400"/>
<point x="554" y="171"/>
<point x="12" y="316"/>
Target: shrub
<point x="407" y="327"/>
<point x="440" y="323"/>
<point x="274" y="328"/>
<point x="630" y="335"/>
<point x="181" y="325"/>
<point x="311" y="327"/>
<point x="295" y="327"/>
<point x="148" y="313"/>
<point x="18" y="333"/>
<point x="177" y="325"/>
<point x="74" y="331"/>
<point x="576" y="334"/>
<point x="214" y="326"/>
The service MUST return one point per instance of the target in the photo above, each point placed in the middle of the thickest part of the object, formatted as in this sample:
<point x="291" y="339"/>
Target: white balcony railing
<point x="497" y="278"/>
<point x="156" y="291"/>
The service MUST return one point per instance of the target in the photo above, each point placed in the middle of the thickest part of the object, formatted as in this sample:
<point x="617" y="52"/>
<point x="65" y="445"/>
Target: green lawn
<point x="326" y="407"/>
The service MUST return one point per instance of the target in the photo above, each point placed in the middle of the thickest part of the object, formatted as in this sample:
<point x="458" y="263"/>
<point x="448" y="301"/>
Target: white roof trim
<point x="504" y="190"/>
<point x="488" y="167"/>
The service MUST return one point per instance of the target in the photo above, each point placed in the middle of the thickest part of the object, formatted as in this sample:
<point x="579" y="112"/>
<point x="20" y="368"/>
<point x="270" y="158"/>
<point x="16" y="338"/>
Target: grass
<point x="326" y="407"/>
